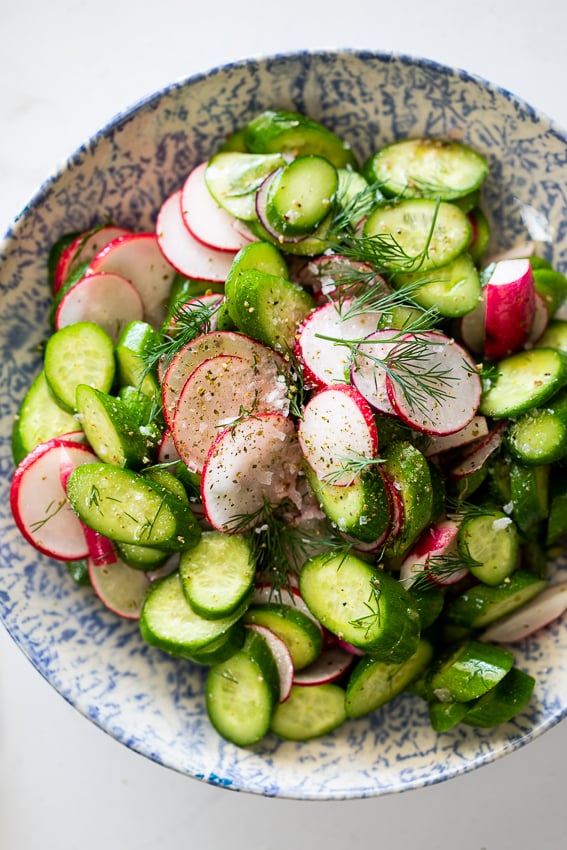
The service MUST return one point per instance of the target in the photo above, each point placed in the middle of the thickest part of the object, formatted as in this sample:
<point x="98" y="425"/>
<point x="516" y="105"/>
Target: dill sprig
<point x="295" y="383"/>
<point x="440" y="567"/>
<point x="186" y="323"/>
<point x="353" y="465"/>
<point x="350" y="210"/>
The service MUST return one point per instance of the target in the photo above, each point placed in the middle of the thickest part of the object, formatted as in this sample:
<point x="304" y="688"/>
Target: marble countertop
<point x="66" y="67"/>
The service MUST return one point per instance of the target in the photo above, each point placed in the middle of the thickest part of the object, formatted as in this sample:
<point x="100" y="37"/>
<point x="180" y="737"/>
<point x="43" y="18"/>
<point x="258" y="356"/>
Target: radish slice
<point x="367" y="373"/>
<point x="211" y="345"/>
<point x="541" y="318"/>
<point x="261" y="199"/>
<point x="475" y="430"/>
<point x="82" y="250"/>
<point x="510" y="307"/>
<point x="108" y="300"/>
<point x="119" y="587"/>
<point x="329" y="276"/>
<point x="214" y="396"/>
<point x="325" y="361"/>
<point x="137" y="257"/>
<point x="254" y="462"/>
<point x="331" y="664"/>
<point x="337" y="426"/>
<point x="183" y="251"/>
<point x="472" y="327"/>
<point x="436" y="542"/>
<point x="282" y="657"/>
<point x="39" y="502"/>
<point x="548" y="606"/>
<point x="206" y="220"/>
<point x="348" y="647"/>
<point x="478" y="453"/>
<point x="452" y="388"/>
<point x="211" y="300"/>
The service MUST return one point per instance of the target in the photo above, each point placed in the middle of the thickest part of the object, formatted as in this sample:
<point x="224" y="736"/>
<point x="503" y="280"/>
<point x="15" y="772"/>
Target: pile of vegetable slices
<point x="308" y="434"/>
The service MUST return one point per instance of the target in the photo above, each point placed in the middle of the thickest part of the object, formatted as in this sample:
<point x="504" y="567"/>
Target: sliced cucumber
<point x="445" y="715"/>
<point x="523" y="381"/>
<point x="490" y="543"/>
<point x="40" y="417"/>
<point x="409" y="471"/>
<point x="503" y="702"/>
<point x="233" y="177"/>
<point x="242" y="692"/>
<point x="112" y="433"/>
<point x="453" y="290"/>
<point x="554" y="336"/>
<point x="301" y="195"/>
<point x="540" y="436"/>
<point x="482" y="604"/>
<point x="468" y="671"/>
<point x="309" y="712"/>
<point x="428" y="168"/>
<point x="218" y="573"/>
<point x="82" y="353"/>
<point x="362" y="605"/>
<point x="427" y="234"/>
<point x="136" y="342"/>
<point x="129" y="508"/>
<point x="301" y="635"/>
<point x="529" y="490"/>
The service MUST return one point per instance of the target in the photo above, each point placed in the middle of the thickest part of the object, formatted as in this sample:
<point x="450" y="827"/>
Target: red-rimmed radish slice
<point x="367" y="372"/>
<point x="348" y="647"/>
<point x="119" y="587"/>
<point x="476" y="455"/>
<point x="108" y="300"/>
<point x="254" y="462"/>
<point x="331" y="664"/>
<point x="282" y="657"/>
<point x="82" y="250"/>
<point x="206" y="220"/>
<point x="137" y="257"/>
<point x="476" y="429"/>
<point x="211" y="301"/>
<point x="541" y="318"/>
<point x="211" y="345"/>
<point x="337" y="425"/>
<point x="264" y="594"/>
<point x="39" y="502"/>
<point x="510" y="307"/>
<point x="437" y="542"/>
<point x="325" y="361"/>
<point x="397" y="510"/>
<point x="330" y="276"/>
<point x="183" y="251"/>
<point x="539" y="612"/>
<point x="438" y="388"/>
<point x="215" y="396"/>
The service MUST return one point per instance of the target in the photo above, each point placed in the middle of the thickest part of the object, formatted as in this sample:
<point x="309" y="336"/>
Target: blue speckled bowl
<point x="97" y="662"/>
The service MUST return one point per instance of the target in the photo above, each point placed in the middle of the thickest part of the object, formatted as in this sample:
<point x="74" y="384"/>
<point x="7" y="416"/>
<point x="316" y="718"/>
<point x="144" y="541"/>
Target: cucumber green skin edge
<point x="481" y="605"/>
<point x="468" y="670"/>
<point x="309" y="712"/>
<point x="410" y="472"/>
<point x="510" y="392"/>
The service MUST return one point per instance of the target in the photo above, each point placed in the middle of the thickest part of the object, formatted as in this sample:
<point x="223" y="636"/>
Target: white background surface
<point x="66" y="67"/>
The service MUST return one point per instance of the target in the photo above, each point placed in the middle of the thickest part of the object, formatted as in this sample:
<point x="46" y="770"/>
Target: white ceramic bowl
<point x="97" y="662"/>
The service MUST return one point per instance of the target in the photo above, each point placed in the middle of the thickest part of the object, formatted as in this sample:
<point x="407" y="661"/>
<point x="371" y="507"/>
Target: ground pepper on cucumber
<point x="308" y="434"/>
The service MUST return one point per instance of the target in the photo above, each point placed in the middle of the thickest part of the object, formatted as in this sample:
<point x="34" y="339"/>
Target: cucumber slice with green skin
<point x="373" y="683"/>
<point x="217" y="575"/>
<point x="409" y="472"/>
<point x="233" y="178"/>
<point x="168" y="622"/>
<point x="110" y="430"/>
<point x="361" y="604"/>
<point x="490" y="545"/>
<point x="453" y="289"/>
<point x="242" y="692"/>
<point x="137" y="340"/>
<point x="360" y="509"/>
<point x="503" y="702"/>
<point x="529" y="488"/>
<point x="468" y="671"/>
<point x="39" y="419"/>
<point x="144" y="558"/>
<point x="428" y="234"/>
<point x="557" y="520"/>
<point x="300" y="195"/>
<point x="554" y="336"/>
<point x="540" y="436"/>
<point x="167" y="479"/>
<point x="78" y="354"/>
<point x="268" y="307"/>
<point x="552" y="286"/>
<point x="283" y="131"/>
<point x="482" y="604"/>
<point x="444" y="716"/>
<point x="429" y="601"/>
<point x="129" y="508"/>
<point x="309" y="712"/>
<point x="523" y="381"/>
<point x="302" y="636"/>
<point x="426" y="167"/>
<point x="481" y="234"/>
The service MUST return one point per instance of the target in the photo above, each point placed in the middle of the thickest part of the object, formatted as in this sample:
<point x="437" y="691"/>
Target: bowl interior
<point x="98" y="662"/>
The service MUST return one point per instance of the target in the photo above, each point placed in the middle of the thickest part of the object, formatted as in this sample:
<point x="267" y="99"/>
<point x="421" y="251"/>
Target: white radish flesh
<point x="211" y="301"/>
<point x="137" y="257"/>
<point x="39" y="502"/>
<point x="281" y="656"/>
<point x="206" y="220"/>
<point x="476" y="429"/>
<point x="436" y="542"/>
<point x="108" y="300"/>
<point x="367" y="371"/>
<point x="510" y="307"/>
<point x="331" y="664"/>
<point x="253" y="463"/>
<point x="337" y="426"/>
<point x="216" y="393"/>
<point x="82" y="250"/>
<point x="433" y="384"/>
<point x="183" y="251"/>
<point x="119" y="587"/>
<point x="539" y="612"/>
<point x="331" y="276"/>
<point x="478" y="453"/>
<point x="326" y="361"/>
